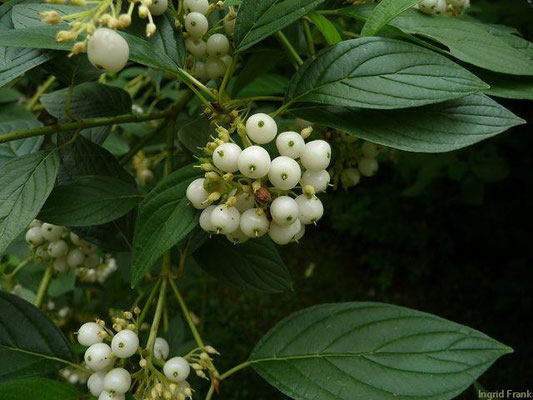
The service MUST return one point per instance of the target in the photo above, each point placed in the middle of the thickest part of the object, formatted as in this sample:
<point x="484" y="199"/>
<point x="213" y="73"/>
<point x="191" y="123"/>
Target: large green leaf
<point x="91" y="200"/>
<point x="72" y="70"/>
<point x="19" y="147"/>
<point x="37" y="388"/>
<point x="195" y="135"/>
<point x="362" y="351"/>
<point x="434" y="128"/>
<point x="508" y="86"/>
<point x="30" y="343"/>
<point x="25" y="183"/>
<point x="165" y="218"/>
<point x="16" y="61"/>
<point x="258" y="19"/>
<point x="380" y="73"/>
<point x="498" y="49"/>
<point x="326" y="27"/>
<point x="384" y="12"/>
<point x="254" y="264"/>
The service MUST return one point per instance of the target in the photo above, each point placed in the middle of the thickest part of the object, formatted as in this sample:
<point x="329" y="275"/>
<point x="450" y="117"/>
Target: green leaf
<point x="30" y="344"/>
<point x="8" y="95"/>
<point x="16" y="61"/>
<point x="37" y="388"/>
<point x="498" y="49"/>
<point x="326" y="27"/>
<point x="434" y="128"/>
<point x="64" y="283"/>
<point x="508" y="86"/>
<point x="91" y="200"/>
<point x="256" y="66"/>
<point x="361" y="351"/>
<point x="195" y="135"/>
<point x="254" y="264"/>
<point x="25" y="183"/>
<point x="380" y="73"/>
<point x="19" y="147"/>
<point x="265" y="85"/>
<point x="72" y="70"/>
<point x="385" y="12"/>
<point x="258" y="19"/>
<point x="165" y="218"/>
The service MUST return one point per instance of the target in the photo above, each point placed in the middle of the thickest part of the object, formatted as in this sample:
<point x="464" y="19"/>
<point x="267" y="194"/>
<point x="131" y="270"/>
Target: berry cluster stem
<point x="187" y="315"/>
<point x="43" y="286"/>
<point x="158" y="313"/>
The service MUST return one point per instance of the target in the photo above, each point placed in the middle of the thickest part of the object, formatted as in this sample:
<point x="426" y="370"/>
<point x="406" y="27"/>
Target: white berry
<point x="87" y="248"/>
<point x="197" y="47"/>
<point x="199" y="71"/>
<point x="215" y="68"/>
<point x="225" y="219"/>
<point x="42" y="253"/>
<point x="254" y="224"/>
<point x="217" y="45"/>
<point x="91" y="261"/>
<point x="51" y="232"/>
<point x="200" y="6"/>
<point x="75" y="239"/>
<point x="117" y="381"/>
<point x="368" y="166"/>
<point x="284" y="234"/>
<point x="318" y="179"/>
<point x="285" y="173"/>
<point x="311" y="209"/>
<point x="261" y="128"/>
<point x="89" y="334"/>
<point x="254" y="162"/>
<point x="95" y="383"/>
<point x="111" y="396"/>
<point x="237" y="237"/>
<point x="60" y="264"/>
<point x="205" y="220"/>
<point x="316" y="155"/>
<point x="177" y="369"/>
<point x="98" y="357"/>
<point x="108" y="50"/>
<point x="244" y="202"/>
<point x="75" y="258"/>
<point x="196" y="24"/>
<point x="226" y="157"/>
<point x="158" y="7"/>
<point x="284" y="210"/>
<point x="229" y="25"/>
<point x="161" y="349"/>
<point x="370" y="150"/>
<point x="34" y="236"/>
<point x="35" y="223"/>
<point x="290" y="144"/>
<point x="57" y="249"/>
<point x="196" y="193"/>
<point x="226" y="60"/>
<point x="300" y="234"/>
<point x="125" y="343"/>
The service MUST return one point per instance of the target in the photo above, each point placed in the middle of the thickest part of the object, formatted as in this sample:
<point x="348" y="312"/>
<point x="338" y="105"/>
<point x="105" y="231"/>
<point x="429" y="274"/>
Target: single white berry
<point x="89" y="334"/>
<point x="108" y="50"/>
<point x="196" y="24"/>
<point x="368" y="166"/>
<point x="261" y="128"/>
<point x="177" y="369"/>
<point x="284" y="210"/>
<point x="254" y="162"/>
<point x="57" y="249"/>
<point x="300" y="234"/>
<point x="226" y="157"/>
<point x="441" y="8"/>
<point x="284" y="234"/>
<point x="75" y="258"/>
<point x="311" y="209"/>
<point x="125" y="343"/>
<point x="285" y="173"/>
<point x="316" y="155"/>
<point x="370" y="150"/>
<point x="158" y="7"/>
<point x="245" y="201"/>
<point x="225" y="219"/>
<point x="197" y="47"/>
<point x="35" y="223"/>
<point x="51" y="232"/>
<point x="98" y="357"/>
<point x="75" y="239"/>
<point x="196" y="193"/>
<point x="60" y="264"/>
<point x="318" y="179"/>
<point x="34" y="236"/>
<point x="237" y="237"/>
<point x="350" y="177"/>
<point x="117" y="381"/>
<point x="229" y="25"/>
<point x="199" y="71"/>
<point x="111" y="396"/>
<point x="42" y="253"/>
<point x="227" y="59"/>
<point x="217" y="45"/>
<point x="95" y="383"/>
<point x="200" y="6"/>
<point x="205" y="220"/>
<point x="91" y="260"/>
<point x="215" y="68"/>
<point x="290" y="144"/>
<point x="87" y="248"/>
<point x="161" y="349"/>
<point x="254" y="224"/>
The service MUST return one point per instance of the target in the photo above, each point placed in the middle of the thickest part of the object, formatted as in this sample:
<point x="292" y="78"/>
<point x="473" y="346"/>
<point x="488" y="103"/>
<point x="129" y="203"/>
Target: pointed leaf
<point x="37" y="388"/>
<point x="326" y="27"/>
<point x="19" y="147"/>
<point x="384" y="12"/>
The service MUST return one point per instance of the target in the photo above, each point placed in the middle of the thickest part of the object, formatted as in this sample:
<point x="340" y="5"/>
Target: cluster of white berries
<point x="258" y="195"/>
<point x="443" y="7"/>
<point x="210" y="59"/>
<point x="66" y="250"/>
